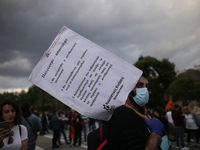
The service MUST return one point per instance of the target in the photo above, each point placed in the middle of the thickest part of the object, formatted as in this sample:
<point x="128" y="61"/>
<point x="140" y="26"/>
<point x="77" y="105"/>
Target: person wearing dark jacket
<point x="32" y="123"/>
<point x="178" y="118"/>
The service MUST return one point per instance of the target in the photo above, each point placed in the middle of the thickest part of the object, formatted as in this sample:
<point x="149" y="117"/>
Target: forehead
<point x="143" y="80"/>
<point x="7" y="107"/>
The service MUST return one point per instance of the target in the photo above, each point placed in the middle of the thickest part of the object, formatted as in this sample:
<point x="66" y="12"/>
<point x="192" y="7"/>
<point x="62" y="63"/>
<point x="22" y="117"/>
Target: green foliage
<point x="185" y="89"/>
<point x="39" y="99"/>
<point x="160" y="75"/>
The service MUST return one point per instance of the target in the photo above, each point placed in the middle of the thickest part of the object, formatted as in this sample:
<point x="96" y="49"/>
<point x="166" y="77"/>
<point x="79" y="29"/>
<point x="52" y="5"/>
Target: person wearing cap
<point x="131" y="130"/>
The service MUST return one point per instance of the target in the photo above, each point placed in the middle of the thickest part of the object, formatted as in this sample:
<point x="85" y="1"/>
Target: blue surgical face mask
<point x="141" y="97"/>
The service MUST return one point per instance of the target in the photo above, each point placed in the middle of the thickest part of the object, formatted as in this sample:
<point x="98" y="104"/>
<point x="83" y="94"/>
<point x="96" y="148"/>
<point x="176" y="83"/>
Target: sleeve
<point x="24" y="133"/>
<point x="197" y="120"/>
<point x="39" y="125"/>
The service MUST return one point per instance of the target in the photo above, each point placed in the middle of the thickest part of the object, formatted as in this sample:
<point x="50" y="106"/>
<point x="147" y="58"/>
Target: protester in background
<point x="178" y="118"/>
<point x="62" y="128"/>
<point x="71" y="125"/>
<point x="147" y="113"/>
<point x="192" y="124"/>
<point x="169" y="116"/>
<point x="56" y="126"/>
<point x="85" y="127"/>
<point x="128" y="129"/>
<point x="165" y="142"/>
<point x="91" y="124"/>
<point x="78" y="129"/>
<point x="32" y="123"/>
<point x="44" y="123"/>
<point x="18" y="140"/>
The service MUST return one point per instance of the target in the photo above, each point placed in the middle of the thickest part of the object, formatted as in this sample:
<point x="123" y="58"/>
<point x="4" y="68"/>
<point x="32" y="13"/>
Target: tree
<point x="41" y="100"/>
<point x="185" y="89"/>
<point x="160" y="75"/>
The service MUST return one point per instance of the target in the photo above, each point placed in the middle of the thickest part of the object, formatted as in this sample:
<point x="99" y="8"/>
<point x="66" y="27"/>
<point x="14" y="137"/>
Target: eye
<point x="139" y="85"/>
<point x="6" y="111"/>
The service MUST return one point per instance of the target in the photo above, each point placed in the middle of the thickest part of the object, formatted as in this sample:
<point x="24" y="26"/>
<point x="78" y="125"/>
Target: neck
<point x="137" y="112"/>
<point x="130" y="104"/>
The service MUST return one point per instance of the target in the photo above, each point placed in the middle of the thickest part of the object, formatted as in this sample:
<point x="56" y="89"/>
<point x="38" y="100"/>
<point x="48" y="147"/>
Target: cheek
<point x="4" y="116"/>
<point x="133" y="93"/>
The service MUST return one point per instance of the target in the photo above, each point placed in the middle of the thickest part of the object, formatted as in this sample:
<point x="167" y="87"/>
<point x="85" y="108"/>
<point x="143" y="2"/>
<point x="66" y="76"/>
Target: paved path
<point x="44" y="142"/>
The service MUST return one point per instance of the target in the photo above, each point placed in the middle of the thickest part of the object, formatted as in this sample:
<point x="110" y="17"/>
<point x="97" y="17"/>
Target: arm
<point x="156" y="127"/>
<point x="24" y="144"/>
<point x="153" y="141"/>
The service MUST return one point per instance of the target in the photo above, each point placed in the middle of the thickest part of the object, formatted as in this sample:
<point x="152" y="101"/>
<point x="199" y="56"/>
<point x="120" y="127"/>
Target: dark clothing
<point x="56" y="127"/>
<point x="55" y="137"/>
<point x="78" y="130"/>
<point x="62" y="130"/>
<point x="32" y="131"/>
<point x="178" y="118"/>
<point x="165" y="122"/>
<point x="127" y="130"/>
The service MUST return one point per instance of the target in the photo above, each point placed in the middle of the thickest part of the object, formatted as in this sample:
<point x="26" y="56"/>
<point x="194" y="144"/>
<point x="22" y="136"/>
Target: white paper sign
<point x="84" y="76"/>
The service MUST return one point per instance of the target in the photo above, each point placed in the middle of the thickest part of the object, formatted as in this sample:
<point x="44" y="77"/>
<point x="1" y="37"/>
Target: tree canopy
<point x="185" y="89"/>
<point x="160" y="75"/>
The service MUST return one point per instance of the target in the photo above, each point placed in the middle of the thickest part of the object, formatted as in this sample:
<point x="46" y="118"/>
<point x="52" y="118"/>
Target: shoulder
<point x="23" y="128"/>
<point x="34" y="116"/>
<point x="124" y="114"/>
<point x="123" y="110"/>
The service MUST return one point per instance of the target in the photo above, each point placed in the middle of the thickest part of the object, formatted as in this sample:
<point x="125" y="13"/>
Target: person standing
<point x="169" y="116"/>
<point x="71" y="126"/>
<point x="32" y="123"/>
<point x="192" y="123"/>
<point x="128" y="129"/>
<point x="78" y="129"/>
<point x="44" y="123"/>
<point x="18" y="140"/>
<point x="178" y="118"/>
<point x="62" y="128"/>
<point x="55" y="128"/>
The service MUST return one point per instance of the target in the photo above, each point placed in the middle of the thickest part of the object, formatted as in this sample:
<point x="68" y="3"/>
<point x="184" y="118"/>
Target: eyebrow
<point x="142" y="84"/>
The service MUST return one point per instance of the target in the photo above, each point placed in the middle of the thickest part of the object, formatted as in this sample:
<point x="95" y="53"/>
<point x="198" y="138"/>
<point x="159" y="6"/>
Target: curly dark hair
<point x="18" y="118"/>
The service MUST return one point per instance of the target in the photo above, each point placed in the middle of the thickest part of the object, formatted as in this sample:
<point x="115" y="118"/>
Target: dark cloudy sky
<point x="130" y="28"/>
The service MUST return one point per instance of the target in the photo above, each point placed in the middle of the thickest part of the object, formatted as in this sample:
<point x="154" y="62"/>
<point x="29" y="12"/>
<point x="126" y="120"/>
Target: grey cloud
<point x="162" y="29"/>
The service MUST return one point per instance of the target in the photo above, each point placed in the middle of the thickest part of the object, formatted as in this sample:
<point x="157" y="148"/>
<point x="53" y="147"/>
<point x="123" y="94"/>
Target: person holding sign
<point x="131" y="130"/>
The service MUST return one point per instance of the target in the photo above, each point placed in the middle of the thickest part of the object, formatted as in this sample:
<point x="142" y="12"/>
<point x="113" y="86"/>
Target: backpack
<point x="98" y="139"/>
<point x="172" y="132"/>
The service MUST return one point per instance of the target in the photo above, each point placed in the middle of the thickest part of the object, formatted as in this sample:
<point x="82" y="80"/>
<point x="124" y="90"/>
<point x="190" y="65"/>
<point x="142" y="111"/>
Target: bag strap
<point x="101" y="136"/>
<point x="102" y="144"/>
<point x="35" y="133"/>
<point x="20" y="130"/>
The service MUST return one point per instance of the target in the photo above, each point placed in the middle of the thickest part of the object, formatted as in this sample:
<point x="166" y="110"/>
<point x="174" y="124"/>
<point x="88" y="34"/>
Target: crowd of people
<point x="25" y="125"/>
<point x="186" y="122"/>
<point x="132" y="126"/>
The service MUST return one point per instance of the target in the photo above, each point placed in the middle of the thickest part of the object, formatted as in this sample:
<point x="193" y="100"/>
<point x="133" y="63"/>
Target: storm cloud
<point x="161" y="29"/>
